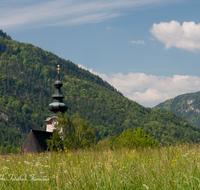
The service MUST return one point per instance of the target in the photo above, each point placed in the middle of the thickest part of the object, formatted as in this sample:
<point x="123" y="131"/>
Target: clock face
<point x="54" y="122"/>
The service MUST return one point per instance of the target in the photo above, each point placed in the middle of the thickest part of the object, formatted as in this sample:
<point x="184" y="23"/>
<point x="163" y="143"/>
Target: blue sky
<point x="147" y="49"/>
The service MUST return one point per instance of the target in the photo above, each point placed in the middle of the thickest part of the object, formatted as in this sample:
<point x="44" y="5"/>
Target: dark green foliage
<point x="70" y="135"/>
<point x="4" y="35"/>
<point x="55" y="143"/>
<point x="8" y="149"/>
<point x="186" y="106"/>
<point x="10" y="136"/>
<point x="27" y="75"/>
<point x="133" y="139"/>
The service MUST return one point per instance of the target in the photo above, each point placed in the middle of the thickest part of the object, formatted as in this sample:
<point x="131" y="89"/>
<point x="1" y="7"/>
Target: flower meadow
<point x="172" y="167"/>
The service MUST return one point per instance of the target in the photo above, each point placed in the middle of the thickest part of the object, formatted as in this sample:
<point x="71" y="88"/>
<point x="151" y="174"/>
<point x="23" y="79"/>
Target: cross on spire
<point x="58" y="69"/>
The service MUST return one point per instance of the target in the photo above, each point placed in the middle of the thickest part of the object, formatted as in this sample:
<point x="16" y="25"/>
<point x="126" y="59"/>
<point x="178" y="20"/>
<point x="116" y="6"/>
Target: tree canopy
<point x="70" y="135"/>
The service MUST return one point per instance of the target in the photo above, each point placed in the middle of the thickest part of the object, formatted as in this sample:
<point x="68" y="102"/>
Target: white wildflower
<point x="26" y="162"/>
<point x="5" y="168"/>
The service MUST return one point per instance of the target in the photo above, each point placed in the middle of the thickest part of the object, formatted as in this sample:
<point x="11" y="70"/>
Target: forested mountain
<point x="186" y="106"/>
<point x="27" y="75"/>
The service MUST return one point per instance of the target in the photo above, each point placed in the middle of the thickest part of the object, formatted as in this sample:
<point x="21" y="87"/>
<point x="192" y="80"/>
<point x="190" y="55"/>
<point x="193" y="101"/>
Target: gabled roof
<point x="36" y="141"/>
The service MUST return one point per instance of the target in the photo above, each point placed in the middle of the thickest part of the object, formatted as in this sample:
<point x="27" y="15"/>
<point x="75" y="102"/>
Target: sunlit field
<point x="175" y="167"/>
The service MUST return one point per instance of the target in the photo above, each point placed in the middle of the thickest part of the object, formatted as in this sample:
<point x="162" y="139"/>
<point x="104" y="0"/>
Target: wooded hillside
<point x="27" y="75"/>
<point x="186" y="106"/>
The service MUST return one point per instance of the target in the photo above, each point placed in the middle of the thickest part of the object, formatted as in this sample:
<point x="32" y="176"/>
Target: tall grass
<point x="176" y="167"/>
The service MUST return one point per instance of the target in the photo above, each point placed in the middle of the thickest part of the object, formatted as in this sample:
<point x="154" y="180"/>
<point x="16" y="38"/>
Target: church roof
<point x="36" y="141"/>
<point x="53" y="117"/>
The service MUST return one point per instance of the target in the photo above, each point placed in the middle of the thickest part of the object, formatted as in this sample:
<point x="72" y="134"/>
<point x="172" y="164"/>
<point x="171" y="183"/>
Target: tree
<point x="84" y="136"/>
<point x="8" y="149"/>
<point x="70" y="135"/>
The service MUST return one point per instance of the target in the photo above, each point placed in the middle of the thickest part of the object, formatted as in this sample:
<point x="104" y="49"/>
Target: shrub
<point x="133" y="139"/>
<point x="103" y="144"/>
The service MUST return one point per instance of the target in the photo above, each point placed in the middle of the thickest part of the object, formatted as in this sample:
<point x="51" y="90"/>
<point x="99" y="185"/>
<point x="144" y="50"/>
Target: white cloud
<point x="66" y="12"/>
<point x="138" y="42"/>
<point x="149" y="90"/>
<point x="173" y="34"/>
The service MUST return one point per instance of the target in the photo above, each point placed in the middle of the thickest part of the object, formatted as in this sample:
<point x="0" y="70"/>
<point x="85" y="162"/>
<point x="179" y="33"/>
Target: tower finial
<point x="58" y="69"/>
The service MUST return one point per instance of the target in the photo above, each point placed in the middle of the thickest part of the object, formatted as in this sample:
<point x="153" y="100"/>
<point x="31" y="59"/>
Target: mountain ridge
<point x="186" y="106"/>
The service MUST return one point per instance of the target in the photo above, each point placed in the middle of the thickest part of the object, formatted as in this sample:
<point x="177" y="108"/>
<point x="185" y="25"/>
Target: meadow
<point x="172" y="167"/>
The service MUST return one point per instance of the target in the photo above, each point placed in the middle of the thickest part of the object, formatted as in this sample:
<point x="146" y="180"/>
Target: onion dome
<point x="57" y="105"/>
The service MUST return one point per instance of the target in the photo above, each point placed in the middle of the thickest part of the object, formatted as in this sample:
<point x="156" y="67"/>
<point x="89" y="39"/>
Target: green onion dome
<point x="57" y="105"/>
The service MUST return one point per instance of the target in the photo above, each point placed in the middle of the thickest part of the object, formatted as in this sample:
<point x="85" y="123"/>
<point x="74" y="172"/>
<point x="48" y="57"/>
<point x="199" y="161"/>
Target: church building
<point x="36" y="140"/>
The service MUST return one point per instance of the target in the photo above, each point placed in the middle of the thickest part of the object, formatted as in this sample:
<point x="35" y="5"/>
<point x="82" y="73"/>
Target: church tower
<point x="57" y="105"/>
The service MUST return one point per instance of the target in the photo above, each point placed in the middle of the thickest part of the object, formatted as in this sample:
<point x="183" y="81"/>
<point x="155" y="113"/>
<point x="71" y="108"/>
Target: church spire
<point x="57" y="105"/>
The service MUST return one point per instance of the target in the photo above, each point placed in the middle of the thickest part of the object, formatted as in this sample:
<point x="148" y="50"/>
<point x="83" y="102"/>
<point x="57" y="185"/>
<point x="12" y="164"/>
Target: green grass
<point x="164" y="168"/>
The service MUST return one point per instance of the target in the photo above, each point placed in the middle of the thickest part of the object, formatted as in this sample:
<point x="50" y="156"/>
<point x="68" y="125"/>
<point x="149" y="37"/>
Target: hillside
<point x="27" y="75"/>
<point x="186" y="106"/>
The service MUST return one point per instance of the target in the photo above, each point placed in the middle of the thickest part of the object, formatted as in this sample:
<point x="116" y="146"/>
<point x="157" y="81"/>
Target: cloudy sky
<point x="147" y="49"/>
